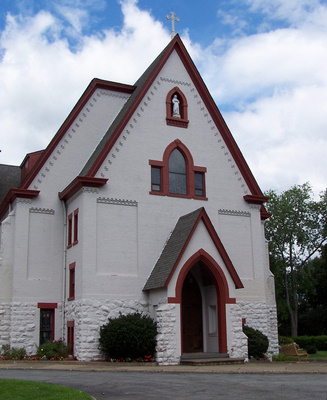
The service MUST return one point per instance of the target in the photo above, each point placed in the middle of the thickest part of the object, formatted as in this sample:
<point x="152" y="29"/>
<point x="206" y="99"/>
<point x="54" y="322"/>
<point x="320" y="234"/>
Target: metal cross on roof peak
<point x="173" y="19"/>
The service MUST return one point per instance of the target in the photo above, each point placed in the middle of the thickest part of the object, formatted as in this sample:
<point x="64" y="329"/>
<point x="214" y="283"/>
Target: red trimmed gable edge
<point x="78" y="183"/>
<point x="177" y="44"/>
<point x="220" y="247"/>
<point x="13" y="194"/>
<point x="93" y="86"/>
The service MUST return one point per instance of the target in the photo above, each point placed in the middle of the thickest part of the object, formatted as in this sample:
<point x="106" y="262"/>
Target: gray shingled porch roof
<point x="172" y="250"/>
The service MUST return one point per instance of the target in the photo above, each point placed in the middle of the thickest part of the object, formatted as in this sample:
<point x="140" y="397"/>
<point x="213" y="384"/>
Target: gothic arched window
<point x="176" y="175"/>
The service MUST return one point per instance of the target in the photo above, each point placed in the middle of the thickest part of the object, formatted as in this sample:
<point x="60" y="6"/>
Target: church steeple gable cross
<point x="173" y="19"/>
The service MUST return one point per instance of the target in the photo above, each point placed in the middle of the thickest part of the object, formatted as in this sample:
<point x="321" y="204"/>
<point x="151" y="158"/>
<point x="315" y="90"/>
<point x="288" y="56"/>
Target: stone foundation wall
<point x="5" y="314"/>
<point x="167" y="352"/>
<point x="237" y="341"/>
<point x="22" y="332"/>
<point x="19" y="325"/>
<point x="90" y="315"/>
<point x="263" y="317"/>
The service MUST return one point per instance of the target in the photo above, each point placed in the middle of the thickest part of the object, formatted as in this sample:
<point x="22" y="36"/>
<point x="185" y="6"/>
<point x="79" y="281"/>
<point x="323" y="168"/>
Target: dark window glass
<point x="70" y="229"/>
<point x="71" y="283"/>
<point x="70" y="339"/>
<point x="46" y="321"/>
<point x="177" y="173"/>
<point x="75" y="227"/>
<point x="198" y="177"/>
<point x="156" y="179"/>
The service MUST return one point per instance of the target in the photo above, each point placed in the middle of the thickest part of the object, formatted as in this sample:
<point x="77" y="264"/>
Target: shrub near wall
<point x="130" y="336"/>
<point x="257" y="342"/>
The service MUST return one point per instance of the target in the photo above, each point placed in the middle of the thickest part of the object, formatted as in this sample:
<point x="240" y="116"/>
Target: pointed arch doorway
<point x="199" y="311"/>
<point x="213" y="284"/>
<point x="192" y="316"/>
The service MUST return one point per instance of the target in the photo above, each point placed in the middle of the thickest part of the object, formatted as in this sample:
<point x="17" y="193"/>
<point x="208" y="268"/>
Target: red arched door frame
<point x="222" y="291"/>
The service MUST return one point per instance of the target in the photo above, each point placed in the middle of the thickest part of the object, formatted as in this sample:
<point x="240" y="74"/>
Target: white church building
<point x="142" y="202"/>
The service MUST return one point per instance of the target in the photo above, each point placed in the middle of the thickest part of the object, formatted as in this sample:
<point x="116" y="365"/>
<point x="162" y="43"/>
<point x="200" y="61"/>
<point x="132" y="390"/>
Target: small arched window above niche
<point x="176" y="108"/>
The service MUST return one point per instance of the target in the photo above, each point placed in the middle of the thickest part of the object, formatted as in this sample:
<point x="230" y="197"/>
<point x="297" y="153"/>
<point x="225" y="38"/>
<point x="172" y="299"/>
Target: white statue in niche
<point x="175" y="103"/>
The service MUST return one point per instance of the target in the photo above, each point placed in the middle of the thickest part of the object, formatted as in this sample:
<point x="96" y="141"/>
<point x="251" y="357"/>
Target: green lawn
<point x="320" y="354"/>
<point x="11" y="389"/>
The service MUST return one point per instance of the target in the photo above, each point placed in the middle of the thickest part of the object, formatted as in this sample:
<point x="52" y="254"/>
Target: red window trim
<point x="72" y="267"/>
<point x="72" y="233"/>
<point x="70" y="335"/>
<point x="190" y="170"/>
<point x="47" y="306"/>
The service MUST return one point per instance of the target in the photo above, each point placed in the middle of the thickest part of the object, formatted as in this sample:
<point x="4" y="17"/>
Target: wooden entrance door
<point x="192" y="316"/>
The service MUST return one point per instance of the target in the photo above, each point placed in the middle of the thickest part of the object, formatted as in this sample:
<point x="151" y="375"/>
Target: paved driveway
<point x="162" y="386"/>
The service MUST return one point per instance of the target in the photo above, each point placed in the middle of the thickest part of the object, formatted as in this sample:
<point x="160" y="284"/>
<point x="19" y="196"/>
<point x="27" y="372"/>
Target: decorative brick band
<point x="42" y="211"/>
<point x="175" y="81"/>
<point x="234" y="213"/>
<point x="120" y="202"/>
<point x="114" y="94"/>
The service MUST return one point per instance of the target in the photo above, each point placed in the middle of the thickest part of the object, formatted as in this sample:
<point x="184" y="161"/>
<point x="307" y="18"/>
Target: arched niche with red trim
<point x="221" y="286"/>
<point x="182" y="120"/>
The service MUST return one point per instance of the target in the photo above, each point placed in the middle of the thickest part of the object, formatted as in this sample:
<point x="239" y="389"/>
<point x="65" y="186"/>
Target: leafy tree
<point x="312" y="296"/>
<point x="296" y="231"/>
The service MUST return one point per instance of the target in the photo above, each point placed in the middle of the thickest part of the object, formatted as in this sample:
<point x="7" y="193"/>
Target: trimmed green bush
<point x="53" y="350"/>
<point x="128" y="336"/>
<point x="257" y="342"/>
<point x="321" y="342"/>
<point x="312" y="343"/>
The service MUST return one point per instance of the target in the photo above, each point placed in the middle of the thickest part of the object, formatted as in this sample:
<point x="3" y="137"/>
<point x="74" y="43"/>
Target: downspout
<point x="64" y="289"/>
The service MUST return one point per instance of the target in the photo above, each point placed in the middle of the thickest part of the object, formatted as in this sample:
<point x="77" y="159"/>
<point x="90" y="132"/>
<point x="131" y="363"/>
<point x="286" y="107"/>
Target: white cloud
<point x="282" y="138"/>
<point x="77" y="18"/>
<point x="271" y="86"/>
<point x="41" y="78"/>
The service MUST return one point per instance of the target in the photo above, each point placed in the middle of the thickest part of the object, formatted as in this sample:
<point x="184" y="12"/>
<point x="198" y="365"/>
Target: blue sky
<point x="264" y="62"/>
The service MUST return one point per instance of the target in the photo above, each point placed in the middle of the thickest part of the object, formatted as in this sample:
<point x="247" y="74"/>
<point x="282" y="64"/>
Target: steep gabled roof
<point x="137" y="93"/>
<point x="93" y="86"/>
<point x="102" y="150"/>
<point x="176" y="246"/>
<point x="142" y="86"/>
<point x="9" y="179"/>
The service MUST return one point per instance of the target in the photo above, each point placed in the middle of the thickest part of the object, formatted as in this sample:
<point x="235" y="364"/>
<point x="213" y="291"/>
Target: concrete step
<point x="213" y="361"/>
<point x="209" y="359"/>
<point x="201" y="355"/>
